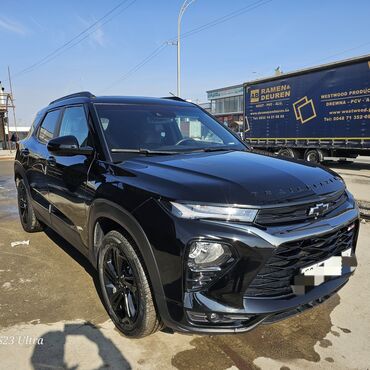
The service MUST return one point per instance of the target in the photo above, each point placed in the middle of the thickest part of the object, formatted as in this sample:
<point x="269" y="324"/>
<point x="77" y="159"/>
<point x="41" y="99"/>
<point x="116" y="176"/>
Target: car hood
<point x="230" y="178"/>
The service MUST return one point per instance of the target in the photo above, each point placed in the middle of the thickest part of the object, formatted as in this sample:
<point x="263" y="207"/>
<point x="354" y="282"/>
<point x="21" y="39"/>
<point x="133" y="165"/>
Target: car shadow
<point x="51" y="353"/>
<point x="76" y="255"/>
<point x="84" y="262"/>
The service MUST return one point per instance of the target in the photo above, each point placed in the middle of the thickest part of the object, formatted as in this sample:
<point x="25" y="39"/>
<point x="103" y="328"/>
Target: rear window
<point x="35" y="122"/>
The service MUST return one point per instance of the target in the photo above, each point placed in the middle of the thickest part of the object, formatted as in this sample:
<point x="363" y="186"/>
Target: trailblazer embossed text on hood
<point x="232" y="178"/>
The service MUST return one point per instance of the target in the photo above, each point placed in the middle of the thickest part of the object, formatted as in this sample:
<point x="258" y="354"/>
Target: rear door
<point x="67" y="177"/>
<point x="33" y="156"/>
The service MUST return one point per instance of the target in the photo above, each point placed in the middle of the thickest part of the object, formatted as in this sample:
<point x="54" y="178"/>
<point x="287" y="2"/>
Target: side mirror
<point x="68" y="146"/>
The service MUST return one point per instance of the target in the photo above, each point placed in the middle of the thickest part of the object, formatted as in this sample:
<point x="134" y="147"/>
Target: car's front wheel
<point x="125" y="287"/>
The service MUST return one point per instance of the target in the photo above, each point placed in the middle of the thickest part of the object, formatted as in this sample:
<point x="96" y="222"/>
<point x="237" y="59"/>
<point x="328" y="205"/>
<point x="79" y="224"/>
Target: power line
<point x="213" y="23"/>
<point x="70" y="44"/>
<point x="226" y="17"/>
<point x="72" y="39"/>
<point x="208" y="25"/>
<point x="138" y="66"/>
<point x="342" y="52"/>
<point x="84" y="38"/>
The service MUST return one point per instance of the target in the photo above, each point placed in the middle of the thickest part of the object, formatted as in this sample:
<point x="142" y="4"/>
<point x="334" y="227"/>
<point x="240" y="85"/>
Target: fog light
<point x="208" y="255"/>
<point x="213" y="317"/>
<point x="197" y="316"/>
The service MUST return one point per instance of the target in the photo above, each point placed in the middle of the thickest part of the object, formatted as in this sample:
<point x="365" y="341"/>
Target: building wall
<point x="4" y="138"/>
<point x="227" y="105"/>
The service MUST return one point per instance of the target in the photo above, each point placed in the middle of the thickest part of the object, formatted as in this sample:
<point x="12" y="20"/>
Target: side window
<point x="47" y="128"/>
<point x="35" y="123"/>
<point x="74" y="123"/>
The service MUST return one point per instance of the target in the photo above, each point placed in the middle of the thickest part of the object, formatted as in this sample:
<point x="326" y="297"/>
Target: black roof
<point x="85" y="97"/>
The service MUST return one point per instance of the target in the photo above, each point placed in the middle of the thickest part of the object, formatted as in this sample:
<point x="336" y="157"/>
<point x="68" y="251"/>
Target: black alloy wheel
<point x="23" y="202"/>
<point x="27" y="216"/>
<point x="125" y="287"/>
<point x="120" y="286"/>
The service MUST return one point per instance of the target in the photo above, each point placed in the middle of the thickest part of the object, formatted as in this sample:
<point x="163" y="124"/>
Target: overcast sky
<point x="258" y="36"/>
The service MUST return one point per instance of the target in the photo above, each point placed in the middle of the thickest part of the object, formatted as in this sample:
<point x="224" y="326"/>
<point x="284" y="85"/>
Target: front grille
<point x="276" y="277"/>
<point x="297" y="213"/>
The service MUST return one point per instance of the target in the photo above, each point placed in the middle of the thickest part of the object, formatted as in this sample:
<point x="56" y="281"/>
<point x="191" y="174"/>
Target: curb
<point x="364" y="207"/>
<point x="365" y="213"/>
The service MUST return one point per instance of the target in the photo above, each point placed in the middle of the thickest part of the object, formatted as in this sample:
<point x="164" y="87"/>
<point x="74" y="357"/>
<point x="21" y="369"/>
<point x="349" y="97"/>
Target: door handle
<point x="51" y="161"/>
<point x="25" y="152"/>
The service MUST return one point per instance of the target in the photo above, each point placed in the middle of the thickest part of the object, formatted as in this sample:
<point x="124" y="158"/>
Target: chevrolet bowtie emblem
<point x="318" y="210"/>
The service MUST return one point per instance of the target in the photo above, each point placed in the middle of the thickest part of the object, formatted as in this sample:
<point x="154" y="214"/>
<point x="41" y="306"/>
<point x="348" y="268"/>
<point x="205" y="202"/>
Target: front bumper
<point x="256" y="310"/>
<point x="223" y="306"/>
<point x="263" y="311"/>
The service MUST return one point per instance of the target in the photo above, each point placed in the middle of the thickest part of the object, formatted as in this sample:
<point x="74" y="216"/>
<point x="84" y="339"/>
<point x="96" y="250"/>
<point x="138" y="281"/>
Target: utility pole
<point x="13" y="106"/>
<point x="11" y="93"/>
<point x="3" y="110"/>
<point x="6" y="102"/>
<point x="185" y="5"/>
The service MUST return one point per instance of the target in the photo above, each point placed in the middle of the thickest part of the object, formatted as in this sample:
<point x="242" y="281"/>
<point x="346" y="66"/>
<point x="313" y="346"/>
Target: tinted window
<point x="74" y="123"/>
<point x="48" y="126"/>
<point x="35" y="123"/>
<point x="159" y="127"/>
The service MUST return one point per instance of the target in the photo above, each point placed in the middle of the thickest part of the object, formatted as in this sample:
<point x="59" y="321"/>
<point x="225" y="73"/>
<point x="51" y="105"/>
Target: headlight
<point x="208" y="254"/>
<point x="198" y="211"/>
<point x="206" y="262"/>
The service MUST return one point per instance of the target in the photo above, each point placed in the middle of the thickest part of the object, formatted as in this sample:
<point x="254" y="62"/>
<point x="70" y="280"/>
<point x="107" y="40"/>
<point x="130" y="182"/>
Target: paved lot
<point x="47" y="290"/>
<point x="356" y="176"/>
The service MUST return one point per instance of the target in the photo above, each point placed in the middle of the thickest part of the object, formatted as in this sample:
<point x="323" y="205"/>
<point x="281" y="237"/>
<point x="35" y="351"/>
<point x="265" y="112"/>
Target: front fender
<point x="102" y="208"/>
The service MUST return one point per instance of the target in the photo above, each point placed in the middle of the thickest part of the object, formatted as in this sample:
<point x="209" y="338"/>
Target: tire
<point x="289" y="153"/>
<point x="27" y="216"/>
<point x="314" y="155"/>
<point x="125" y="287"/>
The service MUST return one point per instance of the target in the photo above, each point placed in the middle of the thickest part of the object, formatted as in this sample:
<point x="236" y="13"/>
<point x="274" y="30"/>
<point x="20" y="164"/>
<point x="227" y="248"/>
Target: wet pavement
<point x="50" y="309"/>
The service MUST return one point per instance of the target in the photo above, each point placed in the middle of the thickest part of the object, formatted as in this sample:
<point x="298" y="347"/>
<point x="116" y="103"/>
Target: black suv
<point x="187" y="228"/>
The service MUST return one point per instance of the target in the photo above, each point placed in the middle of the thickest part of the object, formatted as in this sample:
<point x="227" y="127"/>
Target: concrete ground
<point x="51" y="316"/>
<point x="7" y="154"/>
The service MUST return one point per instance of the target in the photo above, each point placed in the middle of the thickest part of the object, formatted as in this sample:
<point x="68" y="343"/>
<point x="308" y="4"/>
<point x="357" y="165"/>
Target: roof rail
<point x="86" y="94"/>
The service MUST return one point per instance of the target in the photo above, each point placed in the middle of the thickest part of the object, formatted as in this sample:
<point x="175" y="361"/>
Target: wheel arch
<point x="19" y="172"/>
<point x="105" y="216"/>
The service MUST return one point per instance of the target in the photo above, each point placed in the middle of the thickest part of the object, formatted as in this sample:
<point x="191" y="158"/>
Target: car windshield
<point x="162" y="129"/>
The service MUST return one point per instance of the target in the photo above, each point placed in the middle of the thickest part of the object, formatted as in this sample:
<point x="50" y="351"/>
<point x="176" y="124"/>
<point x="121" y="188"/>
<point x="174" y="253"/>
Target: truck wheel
<point x="125" y="287"/>
<point x="290" y="153"/>
<point x="29" y="221"/>
<point x="313" y="155"/>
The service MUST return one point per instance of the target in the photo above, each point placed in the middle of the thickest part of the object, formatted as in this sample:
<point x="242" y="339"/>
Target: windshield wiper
<point x="216" y="149"/>
<point x="144" y="151"/>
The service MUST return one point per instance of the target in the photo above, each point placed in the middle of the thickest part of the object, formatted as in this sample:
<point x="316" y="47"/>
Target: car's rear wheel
<point x="125" y="287"/>
<point x="29" y="221"/>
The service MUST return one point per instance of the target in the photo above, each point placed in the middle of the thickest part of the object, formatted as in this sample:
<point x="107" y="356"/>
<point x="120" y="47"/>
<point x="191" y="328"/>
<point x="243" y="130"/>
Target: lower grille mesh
<point x="275" y="278"/>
